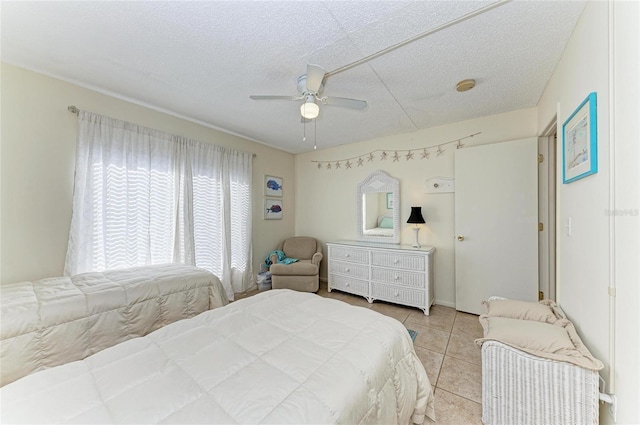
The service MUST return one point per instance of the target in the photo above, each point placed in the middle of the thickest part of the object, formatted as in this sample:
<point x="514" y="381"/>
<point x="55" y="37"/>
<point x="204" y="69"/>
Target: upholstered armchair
<point x="303" y="275"/>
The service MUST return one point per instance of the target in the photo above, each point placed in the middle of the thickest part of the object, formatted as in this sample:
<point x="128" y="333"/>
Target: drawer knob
<point x="348" y="284"/>
<point x="347" y="255"/>
<point x="395" y="294"/>
<point x="396" y="261"/>
<point x="347" y="270"/>
<point x="396" y="277"/>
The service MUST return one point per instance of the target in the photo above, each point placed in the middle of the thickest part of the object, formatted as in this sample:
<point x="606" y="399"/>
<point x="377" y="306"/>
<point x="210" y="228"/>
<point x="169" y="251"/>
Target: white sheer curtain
<point x="146" y="197"/>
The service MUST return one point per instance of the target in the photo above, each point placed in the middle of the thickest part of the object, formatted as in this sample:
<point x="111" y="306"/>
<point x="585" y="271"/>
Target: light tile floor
<point x="445" y="344"/>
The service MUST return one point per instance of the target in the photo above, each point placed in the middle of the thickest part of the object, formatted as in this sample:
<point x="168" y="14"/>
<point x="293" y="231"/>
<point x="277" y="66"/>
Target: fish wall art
<point x="273" y="186"/>
<point x="273" y="209"/>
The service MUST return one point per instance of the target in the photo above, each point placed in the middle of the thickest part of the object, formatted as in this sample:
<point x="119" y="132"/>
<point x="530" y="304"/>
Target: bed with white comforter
<point x="277" y="357"/>
<point x="53" y="321"/>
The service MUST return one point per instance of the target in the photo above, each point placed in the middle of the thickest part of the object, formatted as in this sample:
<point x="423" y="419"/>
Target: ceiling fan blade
<point x="345" y="102"/>
<point x="274" y="97"/>
<point x="315" y="75"/>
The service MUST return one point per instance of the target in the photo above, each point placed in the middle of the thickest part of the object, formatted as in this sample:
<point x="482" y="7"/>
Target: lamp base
<point x="416" y="244"/>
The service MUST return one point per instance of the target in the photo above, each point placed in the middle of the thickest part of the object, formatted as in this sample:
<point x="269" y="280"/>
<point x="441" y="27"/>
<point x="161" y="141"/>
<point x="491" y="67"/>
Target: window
<point x="146" y="197"/>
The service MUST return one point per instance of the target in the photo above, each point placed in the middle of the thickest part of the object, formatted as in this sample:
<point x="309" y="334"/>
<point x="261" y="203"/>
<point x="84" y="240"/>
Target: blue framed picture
<point x="580" y="142"/>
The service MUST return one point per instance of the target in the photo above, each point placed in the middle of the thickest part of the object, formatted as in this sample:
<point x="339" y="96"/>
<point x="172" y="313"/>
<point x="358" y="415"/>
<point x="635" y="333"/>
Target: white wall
<point x="38" y="155"/>
<point x="326" y="199"/>
<point x="626" y="104"/>
<point x="586" y="260"/>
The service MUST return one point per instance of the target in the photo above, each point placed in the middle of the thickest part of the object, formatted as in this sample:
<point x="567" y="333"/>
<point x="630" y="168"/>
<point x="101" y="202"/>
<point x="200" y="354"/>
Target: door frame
<point x="547" y="180"/>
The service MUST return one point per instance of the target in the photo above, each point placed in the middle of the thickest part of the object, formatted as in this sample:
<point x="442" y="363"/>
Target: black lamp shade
<point x="416" y="216"/>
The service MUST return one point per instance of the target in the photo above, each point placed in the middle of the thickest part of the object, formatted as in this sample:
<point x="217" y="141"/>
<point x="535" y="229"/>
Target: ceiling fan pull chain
<point x="304" y="131"/>
<point x="315" y="134"/>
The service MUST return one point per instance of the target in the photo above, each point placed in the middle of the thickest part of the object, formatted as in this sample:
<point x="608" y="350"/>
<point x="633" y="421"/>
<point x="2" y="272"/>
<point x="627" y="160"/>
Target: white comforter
<point x="277" y="357"/>
<point x="54" y="321"/>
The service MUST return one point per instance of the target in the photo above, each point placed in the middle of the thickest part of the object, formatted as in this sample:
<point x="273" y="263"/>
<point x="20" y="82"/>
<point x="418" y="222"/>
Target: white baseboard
<point x="445" y="303"/>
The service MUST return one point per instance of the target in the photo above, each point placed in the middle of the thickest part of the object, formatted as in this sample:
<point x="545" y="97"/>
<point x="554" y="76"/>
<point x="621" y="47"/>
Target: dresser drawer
<point x="352" y="255"/>
<point x="400" y="295"/>
<point x="359" y="271"/>
<point x="399" y="260"/>
<point x="398" y="277"/>
<point x="347" y="284"/>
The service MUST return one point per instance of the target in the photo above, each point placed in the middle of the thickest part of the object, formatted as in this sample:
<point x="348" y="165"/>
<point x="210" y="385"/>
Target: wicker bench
<point x="519" y="388"/>
<point x="535" y="368"/>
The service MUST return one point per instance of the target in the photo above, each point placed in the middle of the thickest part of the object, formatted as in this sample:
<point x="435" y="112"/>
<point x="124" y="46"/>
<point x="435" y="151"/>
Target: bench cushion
<point x="558" y="341"/>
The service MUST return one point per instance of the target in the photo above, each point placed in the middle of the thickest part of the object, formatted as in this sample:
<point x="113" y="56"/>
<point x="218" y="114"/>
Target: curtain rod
<point x="75" y="110"/>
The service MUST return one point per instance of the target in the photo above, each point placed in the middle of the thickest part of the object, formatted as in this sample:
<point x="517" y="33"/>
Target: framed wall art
<point x="273" y="186"/>
<point x="273" y="209"/>
<point x="389" y="200"/>
<point x="580" y="142"/>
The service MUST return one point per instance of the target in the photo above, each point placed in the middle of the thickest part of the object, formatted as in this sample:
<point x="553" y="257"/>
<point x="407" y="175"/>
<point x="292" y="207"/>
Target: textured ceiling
<point x="202" y="60"/>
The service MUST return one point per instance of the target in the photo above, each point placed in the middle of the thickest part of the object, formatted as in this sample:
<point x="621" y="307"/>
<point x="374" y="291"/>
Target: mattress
<point x="54" y="321"/>
<point x="277" y="357"/>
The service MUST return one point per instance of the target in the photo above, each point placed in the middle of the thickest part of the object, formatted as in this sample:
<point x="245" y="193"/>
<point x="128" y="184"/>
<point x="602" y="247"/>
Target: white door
<point x="496" y="223"/>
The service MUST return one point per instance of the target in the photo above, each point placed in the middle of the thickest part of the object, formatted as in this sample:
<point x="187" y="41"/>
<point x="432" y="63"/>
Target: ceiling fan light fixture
<point x="309" y="109"/>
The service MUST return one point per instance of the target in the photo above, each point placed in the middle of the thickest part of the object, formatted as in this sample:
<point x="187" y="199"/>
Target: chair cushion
<point x="300" y="268"/>
<point x="300" y="247"/>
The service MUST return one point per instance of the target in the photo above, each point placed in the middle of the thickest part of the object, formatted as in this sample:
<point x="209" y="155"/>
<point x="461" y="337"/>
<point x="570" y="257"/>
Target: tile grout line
<point x="444" y="355"/>
<point x="461" y="396"/>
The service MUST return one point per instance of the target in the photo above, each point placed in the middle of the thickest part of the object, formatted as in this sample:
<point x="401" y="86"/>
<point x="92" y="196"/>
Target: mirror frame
<point x="379" y="181"/>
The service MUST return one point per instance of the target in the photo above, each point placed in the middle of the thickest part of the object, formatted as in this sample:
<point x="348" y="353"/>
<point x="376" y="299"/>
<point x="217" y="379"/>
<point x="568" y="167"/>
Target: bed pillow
<point x="543" y="311"/>
<point x="386" y="223"/>
<point x="558" y="341"/>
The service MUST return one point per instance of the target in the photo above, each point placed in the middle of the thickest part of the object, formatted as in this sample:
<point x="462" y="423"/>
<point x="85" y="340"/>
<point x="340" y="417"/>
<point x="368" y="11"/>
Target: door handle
<point x="460" y="238"/>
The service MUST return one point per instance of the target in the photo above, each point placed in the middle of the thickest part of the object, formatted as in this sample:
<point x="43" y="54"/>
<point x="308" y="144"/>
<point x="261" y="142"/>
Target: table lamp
<point x="416" y="218"/>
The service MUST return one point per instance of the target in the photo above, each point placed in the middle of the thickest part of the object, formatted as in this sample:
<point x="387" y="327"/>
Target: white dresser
<point x="395" y="273"/>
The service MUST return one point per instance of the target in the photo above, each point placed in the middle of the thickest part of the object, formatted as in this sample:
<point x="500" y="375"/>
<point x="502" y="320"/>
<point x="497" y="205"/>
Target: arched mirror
<point x="378" y="208"/>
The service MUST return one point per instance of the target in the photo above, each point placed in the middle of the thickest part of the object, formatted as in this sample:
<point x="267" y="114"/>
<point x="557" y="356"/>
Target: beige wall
<point x="587" y="263"/>
<point x="326" y="201"/>
<point x="38" y="153"/>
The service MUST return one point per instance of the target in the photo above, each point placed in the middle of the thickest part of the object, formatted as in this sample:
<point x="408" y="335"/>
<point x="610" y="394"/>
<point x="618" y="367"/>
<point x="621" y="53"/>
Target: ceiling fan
<point x="310" y="86"/>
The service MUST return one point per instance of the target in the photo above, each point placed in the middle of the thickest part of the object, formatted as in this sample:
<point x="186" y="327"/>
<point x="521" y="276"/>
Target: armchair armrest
<point x="273" y="258"/>
<point x="317" y="257"/>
